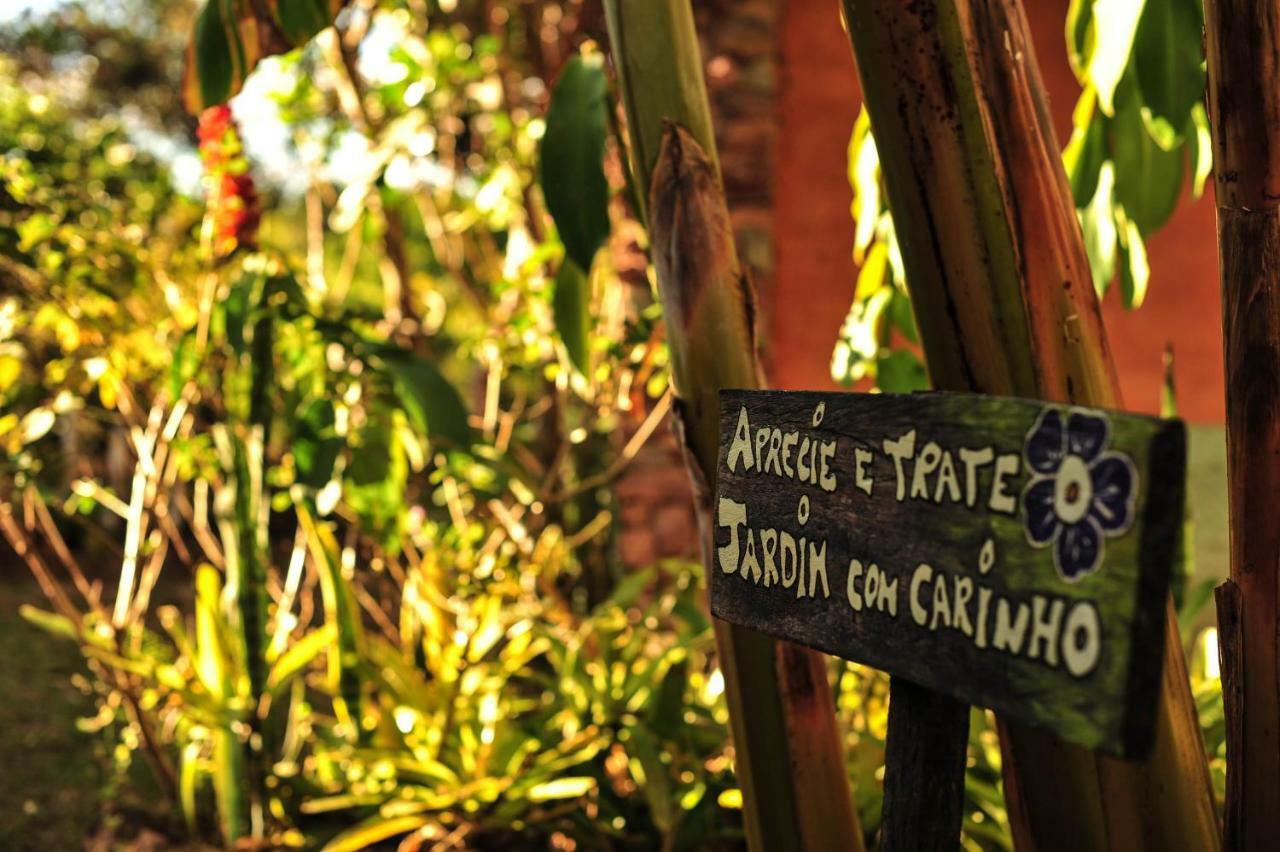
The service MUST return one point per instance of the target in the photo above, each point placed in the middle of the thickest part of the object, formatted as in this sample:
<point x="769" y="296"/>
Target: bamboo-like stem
<point x="1242" y="40"/>
<point x="787" y="743"/>
<point x="1003" y="298"/>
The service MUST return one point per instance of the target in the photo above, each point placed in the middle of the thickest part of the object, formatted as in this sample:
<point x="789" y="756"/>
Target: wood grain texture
<point x="1242" y="41"/>
<point x="814" y="556"/>
<point x="929" y="731"/>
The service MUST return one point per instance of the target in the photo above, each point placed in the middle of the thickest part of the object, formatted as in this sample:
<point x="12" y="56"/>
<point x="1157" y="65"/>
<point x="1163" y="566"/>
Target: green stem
<point x="788" y="748"/>
<point x="1003" y="297"/>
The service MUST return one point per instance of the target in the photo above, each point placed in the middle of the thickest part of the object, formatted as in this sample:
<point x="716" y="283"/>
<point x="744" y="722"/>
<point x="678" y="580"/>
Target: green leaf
<point x="1087" y="150"/>
<point x="316" y="443"/>
<point x="365" y="834"/>
<point x="302" y="19"/>
<point x="34" y="230"/>
<point x="1080" y="37"/>
<point x="215" y="57"/>
<point x="1200" y="144"/>
<point x="1098" y="224"/>
<point x="629" y="589"/>
<point x="50" y="622"/>
<point x="562" y="788"/>
<point x="651" y="776"/>
<point x="1148" y="178"/>
<point x="1115" y="23"/>
<point x="300" y="654"/>
<point x="901" y="372"/>
<point x="230" y="37"/>
<point x="1168" y="65"/>
<point x="572" y="158"/>
<point x="864" y="178"/>
<point x="1134" y="272"/>
<point x="570" y="305"/>
<point x="434" y="405"/>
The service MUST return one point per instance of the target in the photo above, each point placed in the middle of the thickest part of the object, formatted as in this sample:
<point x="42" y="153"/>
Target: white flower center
<point x="1073" y="490"/>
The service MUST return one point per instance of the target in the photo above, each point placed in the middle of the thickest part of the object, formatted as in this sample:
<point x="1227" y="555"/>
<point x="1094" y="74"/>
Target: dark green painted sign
<point x="1010" y="553"/>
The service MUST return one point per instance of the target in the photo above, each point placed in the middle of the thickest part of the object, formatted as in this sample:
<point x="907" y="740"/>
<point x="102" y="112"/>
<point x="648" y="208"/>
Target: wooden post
<point x="1005" y="305"/>
<point x="1242" y="39"/>
<point x="789" y="756"/>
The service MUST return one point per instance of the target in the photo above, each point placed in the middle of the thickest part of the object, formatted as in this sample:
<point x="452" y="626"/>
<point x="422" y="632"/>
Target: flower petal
<point x="1078" y="549"/>
<point x="1086" y="435"/>
<point x="1113" y="480"/>
<point x="1044" y="444"/>
<point x="1039" y="518"/>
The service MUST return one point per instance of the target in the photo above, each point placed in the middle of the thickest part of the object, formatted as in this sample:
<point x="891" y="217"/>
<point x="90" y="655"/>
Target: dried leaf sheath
<point x="707" y="299"/>
<point x="788" y="755"/>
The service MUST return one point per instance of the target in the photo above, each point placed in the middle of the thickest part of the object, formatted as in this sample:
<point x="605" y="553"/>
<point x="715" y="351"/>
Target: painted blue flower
<point x="1078" y="493"/>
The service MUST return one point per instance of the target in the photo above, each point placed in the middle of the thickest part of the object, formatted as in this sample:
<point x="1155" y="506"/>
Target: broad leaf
<point x="1098" y="224"/>
<point x="1168" y="65"/>
<point x="434" y="406"/>
<point x="1080" y="37"/>
<point x="230" y="37"/>
<point x="1087" y="150"/>
<point x="570" y="304"/>
<point x="1148" y="178"/>
<point x="572" y="166"/>
<point x="1114" y="24"/>
<point x="1134" y="271"/>
<point x="1200" y="145"/>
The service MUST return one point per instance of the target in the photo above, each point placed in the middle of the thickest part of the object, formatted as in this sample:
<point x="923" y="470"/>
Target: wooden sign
<point x="1012" y="554"/>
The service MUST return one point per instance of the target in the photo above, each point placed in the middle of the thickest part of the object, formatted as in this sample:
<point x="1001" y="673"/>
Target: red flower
<point x="231" y="195"/>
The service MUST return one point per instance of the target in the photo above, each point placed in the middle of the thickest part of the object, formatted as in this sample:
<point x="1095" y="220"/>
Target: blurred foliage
<point x="231" y="37"/>
<point x="1140" y="115"/>
<point x="342" y="448"/>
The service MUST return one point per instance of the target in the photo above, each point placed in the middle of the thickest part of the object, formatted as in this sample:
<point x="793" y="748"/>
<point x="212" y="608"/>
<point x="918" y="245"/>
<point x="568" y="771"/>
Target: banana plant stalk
<point x="1242" y="40"/>
<point x="1000" y="281"/>
<point x="787" y="744"/>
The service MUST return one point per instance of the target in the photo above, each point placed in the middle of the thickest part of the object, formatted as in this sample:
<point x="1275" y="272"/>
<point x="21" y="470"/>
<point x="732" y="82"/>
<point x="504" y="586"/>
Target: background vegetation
<point x="313" y="454"/>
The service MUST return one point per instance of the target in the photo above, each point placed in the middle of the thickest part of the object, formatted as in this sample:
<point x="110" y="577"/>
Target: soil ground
<point x="51" y="773"/>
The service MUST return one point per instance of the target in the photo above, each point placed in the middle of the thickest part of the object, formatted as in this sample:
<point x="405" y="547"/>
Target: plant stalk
<point x="1004" y="302"/>
<point x="789" y="757"/>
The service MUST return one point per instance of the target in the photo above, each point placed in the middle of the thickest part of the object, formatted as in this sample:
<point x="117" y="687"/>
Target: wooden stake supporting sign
<point x="1009" y="553"/>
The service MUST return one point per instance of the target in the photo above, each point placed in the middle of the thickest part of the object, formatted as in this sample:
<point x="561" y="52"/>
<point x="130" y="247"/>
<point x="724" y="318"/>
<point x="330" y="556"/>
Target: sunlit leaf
<point x="36" y="423"/>
<point x="50" y="622"/>
<point x="300" y="654"/>
<point x="376" y="828"/>
<point x="1085" y="153"/>
<point x="1134" y="272"/>
<point x="1080" y="37"/>
<point x="1114" y="24"/>
<point x="864" y="179"/>
<point x="1097" y="221"/>
<point x="1201" y="148"/>
<point x="562" y="788"/>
